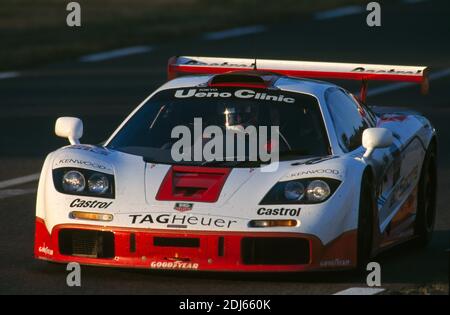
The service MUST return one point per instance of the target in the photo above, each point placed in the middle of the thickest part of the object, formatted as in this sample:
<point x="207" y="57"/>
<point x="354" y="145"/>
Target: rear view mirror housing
<point x="376" y="138"/>
<point x="70" y="128"/>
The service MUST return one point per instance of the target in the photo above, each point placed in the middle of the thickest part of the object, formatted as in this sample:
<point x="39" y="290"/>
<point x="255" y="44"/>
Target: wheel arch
<point x="369" y="172"/>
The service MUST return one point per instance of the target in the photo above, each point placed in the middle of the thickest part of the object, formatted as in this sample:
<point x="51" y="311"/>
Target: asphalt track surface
<point x="103" y="93"/>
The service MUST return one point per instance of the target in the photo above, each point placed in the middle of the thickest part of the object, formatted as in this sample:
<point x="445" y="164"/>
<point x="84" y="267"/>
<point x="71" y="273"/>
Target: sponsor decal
<point x="406" y="183"/>
<point x="173" y="265"/>
<point x="177" y="220"/>
<point x="45" y="250"/>
<point x="221" y="64"/>
<point x="80" y="203"/>
<point x="243" y="94"/>
<point x="335" y="263"/>
<point x="293" y="212"/>
<point x="327" y="171"/>
<point x="385" y="118"/>
<point x="89" y="148"/>
<point x="391" y="71"/>
<point x="183" y="206"/>
<point x="82" y="163"/>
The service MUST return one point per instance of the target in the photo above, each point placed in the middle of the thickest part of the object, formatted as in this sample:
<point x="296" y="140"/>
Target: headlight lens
<point x="73" y="181"/>
<point x="84" y="182"/>
<point x="301" y="191"/>
<point x="98" y="183"/>
<point x="294" y="190"/>
<point x="318" y="190"/>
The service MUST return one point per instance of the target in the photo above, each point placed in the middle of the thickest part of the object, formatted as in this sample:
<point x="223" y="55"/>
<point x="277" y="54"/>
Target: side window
<point x="348" y="118"/>
<point x="366" y="112"/>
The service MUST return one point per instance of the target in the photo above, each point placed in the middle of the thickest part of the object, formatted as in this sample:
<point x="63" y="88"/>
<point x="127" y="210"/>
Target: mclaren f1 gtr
<point x="349" y="181"/>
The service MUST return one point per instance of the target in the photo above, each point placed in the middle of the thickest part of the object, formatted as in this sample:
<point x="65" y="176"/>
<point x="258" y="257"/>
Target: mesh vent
<point x="85" y="243"/>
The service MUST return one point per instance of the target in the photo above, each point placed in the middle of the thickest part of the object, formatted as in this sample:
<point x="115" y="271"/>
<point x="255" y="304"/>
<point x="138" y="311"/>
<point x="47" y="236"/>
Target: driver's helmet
<point x="240" y="115"/>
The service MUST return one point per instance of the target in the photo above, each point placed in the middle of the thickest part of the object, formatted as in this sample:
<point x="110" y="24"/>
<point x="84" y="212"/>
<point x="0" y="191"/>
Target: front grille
<point x="176" y="242"/>
<point x="274" y="251"/>
<point x="86" y="243"/>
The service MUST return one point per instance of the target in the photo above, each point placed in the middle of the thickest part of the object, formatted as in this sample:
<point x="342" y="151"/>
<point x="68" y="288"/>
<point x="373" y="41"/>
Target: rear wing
<point x="185" y="65"/>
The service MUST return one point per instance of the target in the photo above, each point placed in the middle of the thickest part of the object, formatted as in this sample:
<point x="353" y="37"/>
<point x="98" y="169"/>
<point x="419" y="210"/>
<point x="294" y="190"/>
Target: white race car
<point x="349" y="182"/>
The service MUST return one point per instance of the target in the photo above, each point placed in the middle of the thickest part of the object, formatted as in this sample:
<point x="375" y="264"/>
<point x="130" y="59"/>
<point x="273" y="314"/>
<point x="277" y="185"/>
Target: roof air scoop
<point x="240" y="79"/>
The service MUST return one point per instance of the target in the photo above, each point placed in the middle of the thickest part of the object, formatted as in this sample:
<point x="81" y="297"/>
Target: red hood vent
<point x="192" y="183"/>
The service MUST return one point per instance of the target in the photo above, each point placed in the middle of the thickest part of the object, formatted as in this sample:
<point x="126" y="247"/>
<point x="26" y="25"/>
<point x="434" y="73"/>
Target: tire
<point x="426" y="202"/>
<point x="365" y="223"/>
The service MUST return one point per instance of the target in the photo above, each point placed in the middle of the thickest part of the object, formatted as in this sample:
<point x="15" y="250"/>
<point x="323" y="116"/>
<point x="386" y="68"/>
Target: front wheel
<point x="426" y="202"/>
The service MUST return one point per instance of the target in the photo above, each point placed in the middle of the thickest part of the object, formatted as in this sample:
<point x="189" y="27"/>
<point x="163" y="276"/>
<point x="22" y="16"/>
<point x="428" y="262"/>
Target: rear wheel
<point x="426" y="202"/>
<point x="365" y="223"/>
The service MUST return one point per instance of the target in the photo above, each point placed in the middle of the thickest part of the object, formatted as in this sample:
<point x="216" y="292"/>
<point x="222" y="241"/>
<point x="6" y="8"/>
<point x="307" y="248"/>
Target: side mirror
<point x="375" y="138"/>
<point x="70" y="128"/>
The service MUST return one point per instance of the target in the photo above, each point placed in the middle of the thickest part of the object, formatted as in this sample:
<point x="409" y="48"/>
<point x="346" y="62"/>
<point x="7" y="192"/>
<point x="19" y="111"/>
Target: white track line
<point x="360" y="291"/>
<point x="401" y="85"/>
<point x="412" y="1"/>
<point x="6" y="193"/>
<point x="117" y="53"/>
<point x="339" y="12"/>
<point x="9" y="75"/>
<point x="235" y="32"/>
<point x="19" y="180"/>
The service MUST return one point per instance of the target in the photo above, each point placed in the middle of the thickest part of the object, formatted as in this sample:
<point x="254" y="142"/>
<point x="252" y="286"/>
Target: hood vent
<point x="190" y="183"/>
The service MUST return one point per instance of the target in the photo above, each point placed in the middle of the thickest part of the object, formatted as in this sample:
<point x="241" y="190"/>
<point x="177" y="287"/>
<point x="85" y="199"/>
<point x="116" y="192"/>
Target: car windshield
<point x="291" y="121"/>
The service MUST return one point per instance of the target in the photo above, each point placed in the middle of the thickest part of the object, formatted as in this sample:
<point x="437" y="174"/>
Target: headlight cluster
<point x="75" y="181"/>
<point x="301" y="191"/>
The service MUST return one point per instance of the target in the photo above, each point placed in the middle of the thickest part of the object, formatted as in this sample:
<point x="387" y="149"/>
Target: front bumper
<point x="192" y="250"/>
